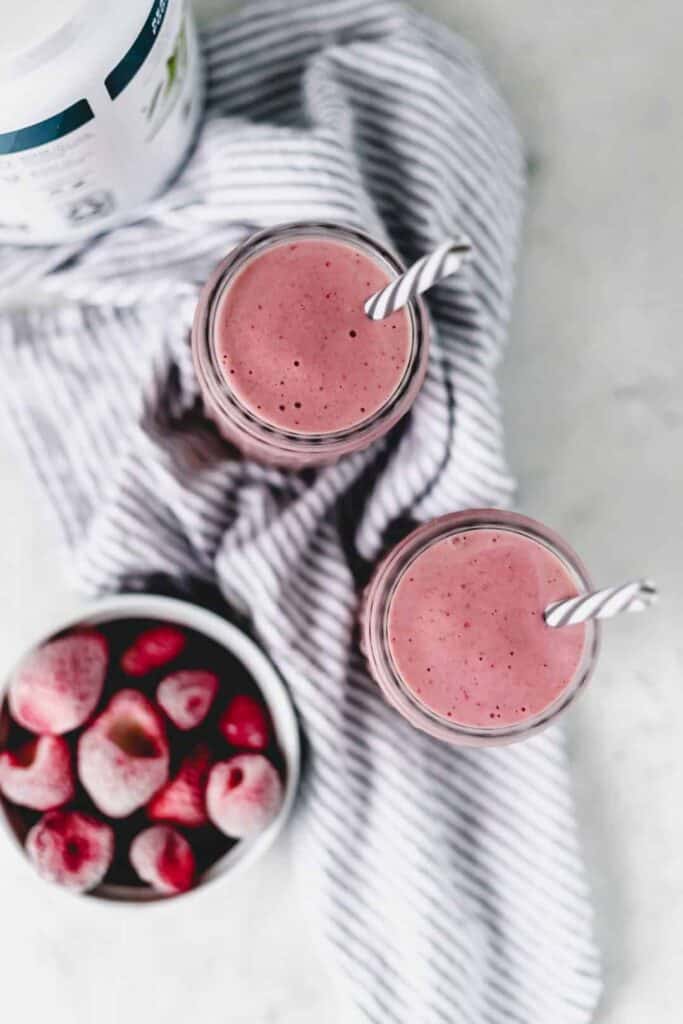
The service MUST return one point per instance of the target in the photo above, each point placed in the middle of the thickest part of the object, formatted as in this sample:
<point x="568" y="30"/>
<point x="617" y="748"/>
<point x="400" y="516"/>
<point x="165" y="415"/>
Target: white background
<point x="593" y="384"/>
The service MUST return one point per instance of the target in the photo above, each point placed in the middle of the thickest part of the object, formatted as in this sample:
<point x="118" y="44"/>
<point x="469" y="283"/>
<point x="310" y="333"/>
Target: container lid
<point x="33" y="31"/>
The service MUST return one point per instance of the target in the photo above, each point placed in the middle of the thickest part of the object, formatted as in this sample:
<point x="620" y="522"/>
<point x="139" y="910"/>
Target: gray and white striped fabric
<point x="448" y="885"/>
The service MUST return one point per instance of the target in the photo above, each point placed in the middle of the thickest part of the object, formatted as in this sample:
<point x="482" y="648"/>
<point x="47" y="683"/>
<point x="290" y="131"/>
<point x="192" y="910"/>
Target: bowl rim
<point x="181" y="612"/>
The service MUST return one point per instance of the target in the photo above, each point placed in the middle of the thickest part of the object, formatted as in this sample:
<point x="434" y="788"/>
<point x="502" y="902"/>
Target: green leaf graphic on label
<point x="175" y="63"/>
<point x="167" y="91"/>
<point x="171" y="70"/>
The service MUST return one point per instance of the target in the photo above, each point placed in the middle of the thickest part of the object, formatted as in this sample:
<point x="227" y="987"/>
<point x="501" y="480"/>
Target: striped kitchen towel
<point x="448" y="884"/>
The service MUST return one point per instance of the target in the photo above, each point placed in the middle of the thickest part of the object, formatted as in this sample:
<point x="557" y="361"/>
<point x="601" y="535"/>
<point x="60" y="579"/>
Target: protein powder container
<point x="99" y="104"/>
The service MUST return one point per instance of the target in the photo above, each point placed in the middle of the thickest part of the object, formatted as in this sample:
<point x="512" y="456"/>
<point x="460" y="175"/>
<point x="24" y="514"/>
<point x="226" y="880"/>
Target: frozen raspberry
<point x="38" y="775"/>
<point x="123" y="757"/>
<point x="243" y="795"/>
<point x="245" y="723"/>
<point x="72" y="849"/>
<point x="182" y="801"/>
<point x="57" y="687"/>
<point x="164" y="859"/>
<point x="152" y="649"/>
<point x="187" y="696"/>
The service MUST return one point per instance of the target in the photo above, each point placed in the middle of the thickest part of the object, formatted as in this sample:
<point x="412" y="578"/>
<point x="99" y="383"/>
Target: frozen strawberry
<point x="152" y="649"/>
<point x="187" y="696"/>
<point x="244" y="723"/>
<point x="164" y="859"/>
<point x="38" y="775"/>
<point x="72" y="849"/>
<point x="243" y="795"/>
<point x="123" y="757"/>
<point x="182" y="801"/>
<point x="57" y="687"/>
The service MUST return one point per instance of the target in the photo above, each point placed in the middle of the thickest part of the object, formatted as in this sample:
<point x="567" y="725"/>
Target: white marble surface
<point x="592" y="383"/>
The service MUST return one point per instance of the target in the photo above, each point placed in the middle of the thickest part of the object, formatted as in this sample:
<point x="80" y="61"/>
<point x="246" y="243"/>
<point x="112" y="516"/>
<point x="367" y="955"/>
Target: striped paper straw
<point x="602" y="604"/>
<point x="423" y="274"/>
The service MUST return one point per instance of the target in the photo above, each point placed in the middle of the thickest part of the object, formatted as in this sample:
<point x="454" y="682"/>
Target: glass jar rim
<point x="374" y="626"/>
<point x="237" y="413"/>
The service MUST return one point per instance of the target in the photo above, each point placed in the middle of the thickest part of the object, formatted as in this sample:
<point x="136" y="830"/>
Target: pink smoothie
<point x="295" y="345"/>
<point x="466" y="631"/>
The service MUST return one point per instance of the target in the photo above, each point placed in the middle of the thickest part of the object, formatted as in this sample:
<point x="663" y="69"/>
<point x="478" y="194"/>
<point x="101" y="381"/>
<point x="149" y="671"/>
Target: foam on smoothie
<point x="295" y="345"/>
<point x="466" y="629"/>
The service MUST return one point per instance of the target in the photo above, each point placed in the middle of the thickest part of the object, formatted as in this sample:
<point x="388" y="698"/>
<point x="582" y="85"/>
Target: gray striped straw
<point x="635" y="596"/>
<point x="418" y="278"/>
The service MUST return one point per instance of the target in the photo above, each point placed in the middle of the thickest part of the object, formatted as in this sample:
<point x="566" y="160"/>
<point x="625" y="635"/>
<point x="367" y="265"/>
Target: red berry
<point x="245" y="723"/>
<point x="57" y="687"/>
<point x="243" y="795"/>
<point x="182" y="801"/>
<point x="72" y="849"/>
<point x="152" y="649"/>
<point x="38" y="775"/>
<point x="164" y="858"/>
<point x="123" y="757"/>
<point x="186" y="696"/>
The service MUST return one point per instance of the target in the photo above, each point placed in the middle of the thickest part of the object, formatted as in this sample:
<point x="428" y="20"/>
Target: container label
<point x="129" y="65"/>
<point x="49" y="130"/>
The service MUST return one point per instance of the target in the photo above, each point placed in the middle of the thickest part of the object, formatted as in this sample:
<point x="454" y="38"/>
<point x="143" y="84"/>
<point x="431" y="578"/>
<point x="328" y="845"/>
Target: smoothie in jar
<point x="295" y="345"/>
<point x="292" y="369"/>
<point x="454" y="630"/>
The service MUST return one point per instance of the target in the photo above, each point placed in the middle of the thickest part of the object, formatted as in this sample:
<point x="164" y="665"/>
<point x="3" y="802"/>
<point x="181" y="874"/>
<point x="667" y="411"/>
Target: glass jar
<point x="376" y="645"/>
<point x="259" y="439"/>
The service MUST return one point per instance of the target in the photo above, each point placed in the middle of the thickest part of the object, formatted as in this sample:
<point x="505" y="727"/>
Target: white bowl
<point x="149" y="606"/>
